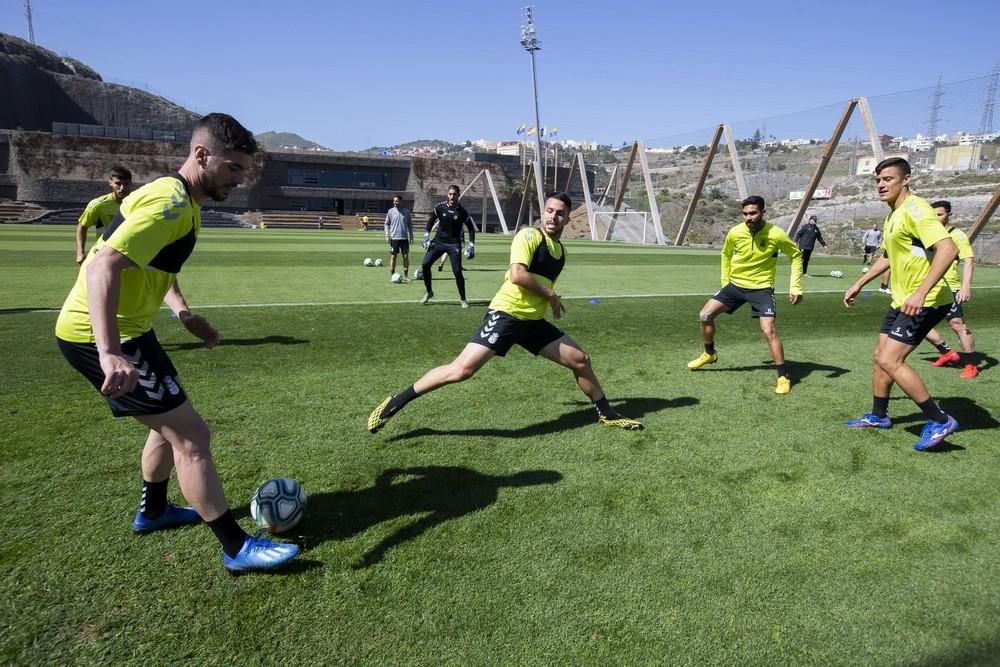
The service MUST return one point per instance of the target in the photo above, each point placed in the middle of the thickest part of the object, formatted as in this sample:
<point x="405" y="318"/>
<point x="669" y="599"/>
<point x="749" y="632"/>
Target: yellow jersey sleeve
<point x="524" y="246"/>
<point x="153" y="219"/>
<point x="99" y="212"/>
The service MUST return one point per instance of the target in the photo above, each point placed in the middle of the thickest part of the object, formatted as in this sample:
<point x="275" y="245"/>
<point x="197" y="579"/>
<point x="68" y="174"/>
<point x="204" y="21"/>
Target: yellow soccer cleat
<point x="621" y="422"/>
<point x="784" y="386"/>
<point x="376" y="420"/>
<point x="702" y="360"/>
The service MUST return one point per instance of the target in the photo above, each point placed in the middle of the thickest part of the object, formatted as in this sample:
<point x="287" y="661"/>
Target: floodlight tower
<point x="531" y="44"/>
<point x="986" y="125"/>
<point x="27" y="15"/>
<point x="932" y="122"/>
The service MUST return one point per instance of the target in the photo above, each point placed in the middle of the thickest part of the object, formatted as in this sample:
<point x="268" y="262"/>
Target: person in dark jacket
<point x="806" y="239"/>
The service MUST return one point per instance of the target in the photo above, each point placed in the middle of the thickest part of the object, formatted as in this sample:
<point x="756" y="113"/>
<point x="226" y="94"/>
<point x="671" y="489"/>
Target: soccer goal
<point x="624" y="226"/>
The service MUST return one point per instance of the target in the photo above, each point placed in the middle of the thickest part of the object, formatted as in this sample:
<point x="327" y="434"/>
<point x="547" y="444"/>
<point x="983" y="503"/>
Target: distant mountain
<point x="39" y="88"/>
<point x="274" y="141"/>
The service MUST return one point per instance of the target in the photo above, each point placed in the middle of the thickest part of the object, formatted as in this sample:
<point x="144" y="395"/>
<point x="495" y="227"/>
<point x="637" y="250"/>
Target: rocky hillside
<point x="39" y="88"/>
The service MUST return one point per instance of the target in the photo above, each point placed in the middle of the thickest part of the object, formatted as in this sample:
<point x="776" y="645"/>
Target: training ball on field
<point x="278" y="504"/>
<point x="397" y="277"/>
<point x="837" y="273"/>
<point x="419" y="274"/>
<point x="379" y="262"/>
<point x="368" y="262"/>
<point x="864" y="269"/>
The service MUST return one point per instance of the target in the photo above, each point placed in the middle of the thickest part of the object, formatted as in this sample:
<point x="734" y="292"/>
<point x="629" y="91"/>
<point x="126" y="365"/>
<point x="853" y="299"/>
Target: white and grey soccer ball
<point x="864" y="269"/>
<point x="368" y="262"/>
<point x="419" y="274"/>
<point x="397" y="278"/>
<point x="379" y="262"/>
<point x="837" y="273"/>
<point x="278" y="504"/>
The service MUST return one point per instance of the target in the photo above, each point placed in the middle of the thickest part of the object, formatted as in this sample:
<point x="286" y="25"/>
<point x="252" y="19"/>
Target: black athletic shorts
<point x="158" y="389"/>
<point x="761" y="301"/>
<point x="399" y="245"/>
<point x="912" y="330"/>
<point x="870" y="249"/>
<point x="955" y="312"/>
<point x="500" y="331"/>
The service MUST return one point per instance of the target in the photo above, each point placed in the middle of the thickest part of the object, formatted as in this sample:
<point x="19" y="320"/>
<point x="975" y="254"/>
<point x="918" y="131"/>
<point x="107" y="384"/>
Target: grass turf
<point x="494" y="522"/>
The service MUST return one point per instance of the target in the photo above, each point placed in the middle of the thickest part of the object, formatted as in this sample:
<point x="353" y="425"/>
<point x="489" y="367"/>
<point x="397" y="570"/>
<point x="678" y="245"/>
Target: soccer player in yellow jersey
<point x="516" y="315"/>
<point x="102" y="210"/>
<point x="749" y="261"/>
<point x="919" y="249"/>
<point x="105" y="332"/>
<point x="962" y="292"/>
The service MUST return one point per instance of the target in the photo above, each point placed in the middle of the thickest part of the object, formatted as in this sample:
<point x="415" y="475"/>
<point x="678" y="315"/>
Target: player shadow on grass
<point x="969" y="415"/>
<point x="985" y="361"/>
<point x="635" y="408"/>
<point x="236" y="342"/>
<point x="797" y="370"/>
<point x="431" y="495"/>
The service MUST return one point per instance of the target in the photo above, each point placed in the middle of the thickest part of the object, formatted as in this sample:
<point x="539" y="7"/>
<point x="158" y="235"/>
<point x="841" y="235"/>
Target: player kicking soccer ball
<point x="516" y="316"/>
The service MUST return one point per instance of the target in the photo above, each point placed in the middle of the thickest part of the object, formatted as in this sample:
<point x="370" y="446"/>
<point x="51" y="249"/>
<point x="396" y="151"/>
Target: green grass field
<point x="493" y="522"/>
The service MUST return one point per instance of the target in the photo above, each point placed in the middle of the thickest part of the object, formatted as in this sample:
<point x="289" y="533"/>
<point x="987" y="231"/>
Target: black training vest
<point x="542" y="261"/>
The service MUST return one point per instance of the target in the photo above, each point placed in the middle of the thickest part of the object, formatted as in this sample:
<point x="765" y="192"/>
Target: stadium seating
<point x="300" y="219"/>
<point x="17" y="211"/>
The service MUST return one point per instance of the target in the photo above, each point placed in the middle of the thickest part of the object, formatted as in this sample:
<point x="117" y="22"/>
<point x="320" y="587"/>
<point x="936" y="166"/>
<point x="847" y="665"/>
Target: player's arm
<point x="794" y="254"/>
<point x="964" y="294"/>
<point x="430" y="225"/>
<point x="520" y="276"/>
<point x="197" y="325"/>
<point x="945" y="252"/>
<point x="81" y="243"/>
<point x="880" y="266"/>
<point x="727" y="259"/>
<point x="470" y="251"/>
<point x="819" y="237"/>
<point x="103" y="287"/>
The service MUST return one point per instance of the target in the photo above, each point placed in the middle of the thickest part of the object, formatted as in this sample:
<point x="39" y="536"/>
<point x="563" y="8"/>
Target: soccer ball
<point x="837" y="273"/>
<point x="278" y="504"/>
<point x="379" y="262"/>
<point x="864" y="269"/>
<point x="368" y="262"/>
<point x="419" y="274"/>
<point x="397" y="277"/>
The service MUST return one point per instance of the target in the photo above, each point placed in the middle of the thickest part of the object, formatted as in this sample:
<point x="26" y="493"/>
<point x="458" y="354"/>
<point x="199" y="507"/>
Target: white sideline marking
<point x="314" y="304"/>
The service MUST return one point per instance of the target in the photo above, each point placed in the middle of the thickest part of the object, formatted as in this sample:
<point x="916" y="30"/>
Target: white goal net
<point x="624" y="226"/>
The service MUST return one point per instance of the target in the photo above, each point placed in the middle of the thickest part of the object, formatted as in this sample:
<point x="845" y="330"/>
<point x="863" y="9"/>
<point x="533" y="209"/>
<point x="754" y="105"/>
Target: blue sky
<point x="354" y="74"/>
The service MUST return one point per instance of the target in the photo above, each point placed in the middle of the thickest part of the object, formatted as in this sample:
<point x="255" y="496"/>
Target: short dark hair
<point x="561" y="196"/>
<point x="228" y="132"/>
<point x="942" y="203"/>
<point x="813" y="217"/>
<point x="898" y="162"/>
<point x="121" y="173"/>
<point x="754" y="200"/>
<point x="455" y="188"/>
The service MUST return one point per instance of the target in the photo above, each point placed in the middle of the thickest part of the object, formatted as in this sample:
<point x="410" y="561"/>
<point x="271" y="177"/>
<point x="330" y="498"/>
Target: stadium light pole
<point x="531" y="44"/>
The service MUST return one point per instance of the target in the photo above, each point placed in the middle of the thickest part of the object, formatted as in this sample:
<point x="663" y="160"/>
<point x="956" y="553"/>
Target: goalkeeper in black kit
<point x="450" y="216"/>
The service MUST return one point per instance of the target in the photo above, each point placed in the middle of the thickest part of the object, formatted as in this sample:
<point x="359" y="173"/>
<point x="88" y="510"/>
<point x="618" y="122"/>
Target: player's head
<point x="556" y="213"/>
<point x="223" y="150"/>
<point x="943" y="209"/>
<point x="892" y="178"/>
<point x="812" y="219"/>
<point x="397" y="201"/>
<point x="453" y="191"/>
<point x="875" y="226"/>
<point x="753" y="211"/>
<point x="120" y="182"/>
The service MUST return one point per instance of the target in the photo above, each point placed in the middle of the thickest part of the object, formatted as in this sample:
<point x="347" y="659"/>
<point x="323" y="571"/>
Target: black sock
<point x="229" y="533"/>
<point x="967" y="358"/>
<point x="604" y="408"/>
<point x="884" y="286"/>
<point x="154" y="499"/>
<point x="942" y="347"/>
<point x="709" y="348"/>
<point x="397" y="402"/>
<point x="880" y="406"/>
<point x="782" y="371"/>
<point x="932" y="411"/>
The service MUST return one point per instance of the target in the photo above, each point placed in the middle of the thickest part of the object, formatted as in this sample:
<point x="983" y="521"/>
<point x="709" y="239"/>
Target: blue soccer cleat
<point x="174" y="515"/>
<point x="870" y="420"/>
<point x="934" y="433"/>
<point x="260" y="553"/>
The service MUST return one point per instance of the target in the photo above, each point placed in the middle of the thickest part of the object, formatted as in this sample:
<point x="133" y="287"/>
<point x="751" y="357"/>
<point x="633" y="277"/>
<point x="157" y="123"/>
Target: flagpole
<point x="530" y="44"/>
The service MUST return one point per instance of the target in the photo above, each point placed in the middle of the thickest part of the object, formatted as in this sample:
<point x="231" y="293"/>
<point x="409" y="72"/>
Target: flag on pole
<point x="521" y="128"/>
<point x="554" y="131"/>
<point x="532" y="130"/>
<point x="542" y="132"/>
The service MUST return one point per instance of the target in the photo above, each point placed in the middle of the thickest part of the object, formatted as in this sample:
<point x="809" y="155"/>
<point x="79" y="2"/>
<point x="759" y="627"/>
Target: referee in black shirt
<point x="450" y="216"/>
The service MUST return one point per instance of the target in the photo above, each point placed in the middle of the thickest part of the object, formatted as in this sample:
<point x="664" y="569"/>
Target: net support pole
<point x="496" y="201"/>
<point x="525" y="197"/>
<point x="620" y="196"/>
<point x="696" y="195"/>
<point x="985" y="215"/>
<point x="734" y="158"/>
<point x="482" y="224"/>
<point x="866" y="115"/>
<point x="569" y="175"/>
<point x="586" y="194"/>
<point x="831" y="146"/>
<point x="607" y="190"/>
<point x="654" y="209"/>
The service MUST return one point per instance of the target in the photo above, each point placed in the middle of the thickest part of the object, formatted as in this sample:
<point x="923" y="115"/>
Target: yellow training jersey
<point x="545" y="259"/>
<point x="964" y="252"/>
<point x="100" y="211"/>
<point x="157" y="230"/>
<point x="750" y="260"/>
<point x="908" y="235"/>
